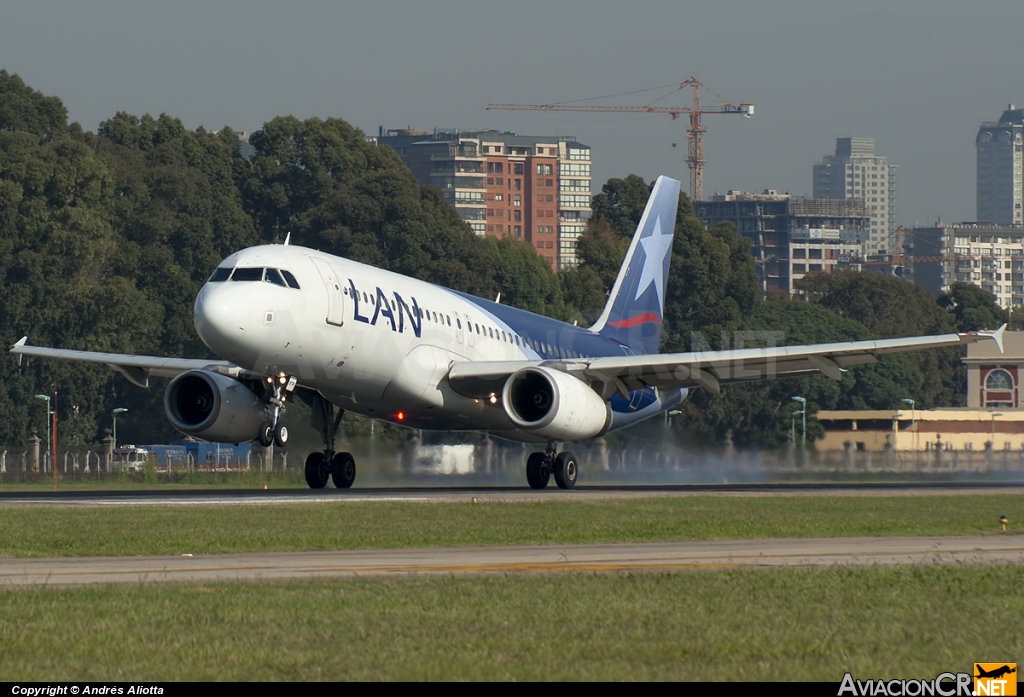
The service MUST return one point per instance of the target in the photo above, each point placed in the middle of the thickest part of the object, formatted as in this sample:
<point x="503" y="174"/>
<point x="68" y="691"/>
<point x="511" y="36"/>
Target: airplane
<point x="350" y="337"/>
<point x="995" y="672"/>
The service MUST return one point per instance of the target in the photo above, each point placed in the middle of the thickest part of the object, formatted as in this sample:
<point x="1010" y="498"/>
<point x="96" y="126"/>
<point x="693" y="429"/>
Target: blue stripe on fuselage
<point x="551" y="338"/>
<point x="554" y="340"/>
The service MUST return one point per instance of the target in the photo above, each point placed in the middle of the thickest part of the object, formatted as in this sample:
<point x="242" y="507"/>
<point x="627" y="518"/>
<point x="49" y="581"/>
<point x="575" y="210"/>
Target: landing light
<point x="282" y="379"/>
<point x="401" y="416"/>
<point x="493" y="398"/>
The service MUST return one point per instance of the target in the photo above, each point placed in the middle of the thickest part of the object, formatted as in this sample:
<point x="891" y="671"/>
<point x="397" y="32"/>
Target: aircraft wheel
<point x="343" y="470"/>
<point x="318" y="469"/>
<point x="538" y="470"/>
<point x="280" y="435"/>
<point x="566" y="470"/>
<point x="266" y="436"/>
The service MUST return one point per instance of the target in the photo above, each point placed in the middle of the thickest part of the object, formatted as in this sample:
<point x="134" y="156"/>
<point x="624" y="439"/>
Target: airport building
<point x="533" y="188"/>
<point x="791" y="236"/>
<point x="988" y="256"/>
<point x="1000" y="147"/>
<point x="992" y="420"/>
<point x="856" y="172"/>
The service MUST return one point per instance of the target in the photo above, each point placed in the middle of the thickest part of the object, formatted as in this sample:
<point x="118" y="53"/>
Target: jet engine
<point x="214" y="407"/>
<point x="554" y="405"/>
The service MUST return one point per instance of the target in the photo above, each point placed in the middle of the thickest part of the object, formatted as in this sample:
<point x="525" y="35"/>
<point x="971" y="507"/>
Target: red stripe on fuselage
<point x="634" y="321"/>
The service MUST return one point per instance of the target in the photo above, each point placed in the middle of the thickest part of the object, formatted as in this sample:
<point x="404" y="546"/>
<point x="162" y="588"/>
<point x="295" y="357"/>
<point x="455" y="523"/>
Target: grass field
<point x="131" y="530"/>
<point x="795" y="624"/>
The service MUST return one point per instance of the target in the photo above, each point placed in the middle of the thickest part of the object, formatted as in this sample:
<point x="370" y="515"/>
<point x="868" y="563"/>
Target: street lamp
<point x="49" y="416"/>
<point x="913" y="420"/>
<point x="994" y="429"/>
<point x="792" y="425"/>
<point x="118" y="410"/>
<point x="803" y="414"/>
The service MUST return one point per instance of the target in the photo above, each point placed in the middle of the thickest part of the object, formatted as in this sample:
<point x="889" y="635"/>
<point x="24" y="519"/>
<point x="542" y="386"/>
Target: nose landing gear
<point x="275" y="432"/>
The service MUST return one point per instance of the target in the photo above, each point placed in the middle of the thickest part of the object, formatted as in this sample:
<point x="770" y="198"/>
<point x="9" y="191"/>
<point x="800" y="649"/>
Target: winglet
<point x="18" y="345"/>
<point x="996" y="336"/>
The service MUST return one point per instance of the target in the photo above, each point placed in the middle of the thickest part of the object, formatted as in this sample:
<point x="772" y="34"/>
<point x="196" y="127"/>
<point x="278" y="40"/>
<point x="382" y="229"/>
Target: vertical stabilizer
<point x="633" y="314"/>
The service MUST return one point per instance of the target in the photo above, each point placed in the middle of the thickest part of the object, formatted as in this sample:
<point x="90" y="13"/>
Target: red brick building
<point x="533" y="188"/>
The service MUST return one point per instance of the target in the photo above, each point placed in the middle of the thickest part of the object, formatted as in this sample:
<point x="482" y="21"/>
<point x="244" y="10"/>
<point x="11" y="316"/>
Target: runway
<point x="664" y="556"/>
<point x="165" y="496"/>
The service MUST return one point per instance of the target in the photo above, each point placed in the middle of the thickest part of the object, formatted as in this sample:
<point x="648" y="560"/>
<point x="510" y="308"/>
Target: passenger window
<point x="503" y="337"/>
<point x="365" y="300"/>
<point x="458" y="323"/>
<point x="292" y="283"/>
<point x="247" y="275"/>
<point x="449" y="320"/>
<point x="220" y="275"/>
<point x="272" y="276"/>
<point x="477" y="328"/>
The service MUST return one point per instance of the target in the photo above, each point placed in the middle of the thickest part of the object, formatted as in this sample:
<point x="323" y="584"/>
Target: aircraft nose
<point x="221" y="313"/>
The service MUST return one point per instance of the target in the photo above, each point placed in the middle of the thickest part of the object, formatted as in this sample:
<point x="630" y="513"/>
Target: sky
<point x="918" y="76"/>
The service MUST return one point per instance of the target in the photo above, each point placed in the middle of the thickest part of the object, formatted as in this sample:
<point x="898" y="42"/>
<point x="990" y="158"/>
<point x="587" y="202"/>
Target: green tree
<point x="524" y="279"/>
<point x="973" y="308"/>
<point x="23" y="109"/>
<point x="891" y="307"/>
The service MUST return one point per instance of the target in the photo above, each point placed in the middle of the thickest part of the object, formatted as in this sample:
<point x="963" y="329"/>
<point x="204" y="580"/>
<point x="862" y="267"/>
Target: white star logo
<point x="656" y="246"/>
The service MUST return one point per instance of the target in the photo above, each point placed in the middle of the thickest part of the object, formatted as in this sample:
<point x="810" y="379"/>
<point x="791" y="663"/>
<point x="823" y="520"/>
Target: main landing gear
<point x="275" y="432"/>
<point x="341" y="467"/>
<point x="540" y="467"/>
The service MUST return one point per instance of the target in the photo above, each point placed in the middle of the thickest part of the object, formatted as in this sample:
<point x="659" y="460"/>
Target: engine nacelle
<point x="554" y="405"/>
<point x="214" y="407"/>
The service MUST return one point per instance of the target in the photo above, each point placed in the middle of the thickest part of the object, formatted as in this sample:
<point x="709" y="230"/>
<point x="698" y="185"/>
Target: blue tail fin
<point x="634" y="311"/>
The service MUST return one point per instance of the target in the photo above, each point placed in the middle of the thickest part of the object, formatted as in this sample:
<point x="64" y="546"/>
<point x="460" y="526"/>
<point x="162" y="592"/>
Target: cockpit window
<point x="247" y="275"/>
<point x="220" y="275"/>
<point x="273" y="276"/>
<point x="291" y="279"/>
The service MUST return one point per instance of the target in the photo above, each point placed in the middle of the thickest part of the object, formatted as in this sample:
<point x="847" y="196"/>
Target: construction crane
<point x="694" y="135"/>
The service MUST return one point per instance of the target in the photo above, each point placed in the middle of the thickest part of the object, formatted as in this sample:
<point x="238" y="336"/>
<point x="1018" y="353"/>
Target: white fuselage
<point x="381" y="344"/>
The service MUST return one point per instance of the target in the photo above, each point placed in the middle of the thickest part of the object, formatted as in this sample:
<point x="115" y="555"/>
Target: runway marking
<point x="609" y="558"/>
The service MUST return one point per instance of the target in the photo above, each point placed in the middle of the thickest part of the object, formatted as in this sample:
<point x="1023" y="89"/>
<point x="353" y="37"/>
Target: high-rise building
<point x="988" y="256"/>
<point x="532" y="188"/>
<point x="1000" y="169"/>
<point x="855" y="171"/>
<point x="791" y="236"/>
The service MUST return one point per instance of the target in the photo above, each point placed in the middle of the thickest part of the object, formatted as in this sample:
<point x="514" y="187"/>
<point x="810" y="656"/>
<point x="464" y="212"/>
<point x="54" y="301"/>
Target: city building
<point x="533" y="188"/>
<point x="989" y="256"/>
<point x="1000" y="169"/>
<point x="791" y="235"/>
<point x="993" y="378"/>
<point x="856" y="172"/>
<point x="992" y="421"/>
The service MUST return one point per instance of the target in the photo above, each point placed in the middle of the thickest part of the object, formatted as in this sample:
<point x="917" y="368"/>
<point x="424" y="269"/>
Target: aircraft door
<point x="470" y="334"/>
<point x="332" y="284"/>
<point x="459" y="329"/>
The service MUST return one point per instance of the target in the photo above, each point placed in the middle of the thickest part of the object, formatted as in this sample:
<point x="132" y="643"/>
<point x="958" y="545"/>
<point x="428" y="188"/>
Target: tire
<point x="566" y="470"/>
<point x="317" y="470"/>
<point x="538" y="470"/>
<point x="343" y="470"/>
<point x="266" y="436"/>
<point x="280" y="435"/>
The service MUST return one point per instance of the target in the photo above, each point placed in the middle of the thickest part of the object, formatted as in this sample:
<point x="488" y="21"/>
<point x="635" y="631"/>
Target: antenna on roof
<point x="497" y="298"/>
<point x="288" y="238"/>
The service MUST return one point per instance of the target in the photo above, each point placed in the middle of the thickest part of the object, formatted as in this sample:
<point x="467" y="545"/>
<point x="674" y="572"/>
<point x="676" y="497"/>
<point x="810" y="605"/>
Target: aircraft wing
<point x="707" y="369"/>
<point x="136" y="369"/>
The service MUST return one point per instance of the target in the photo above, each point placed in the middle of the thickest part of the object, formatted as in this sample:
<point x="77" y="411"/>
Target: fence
<point x="502" y="461"/>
